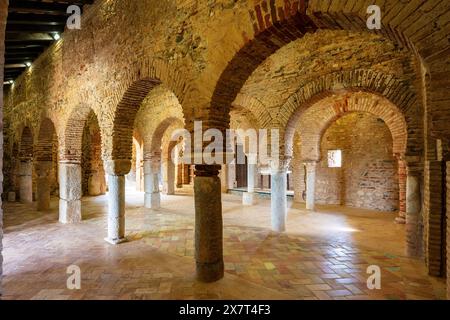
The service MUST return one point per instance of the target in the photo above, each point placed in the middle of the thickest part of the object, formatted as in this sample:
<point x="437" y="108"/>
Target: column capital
<point x="311" y="165"/>
<point x="119" y="167"/>
<point x="280" y="165"/>
<point x="207" y="170"/>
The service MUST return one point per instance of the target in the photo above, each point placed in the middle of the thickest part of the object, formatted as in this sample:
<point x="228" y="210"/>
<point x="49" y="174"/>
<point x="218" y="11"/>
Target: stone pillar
<point x="248" y="198"/>
<point x="413" y="212"/>
<point x="279" y="196"/>
<point x="433" y="216"/>
<point x="401" y="219"/>
<point x="43" y="171"/>
<point x="448" y="230"/>
<point x="151" y="184"/>
<point x="170" y="183"/>
<point x="224" y="178"/>
<point x="311" y="185"/>
<point x="116" y="170"/>
<point x="69" y="192"/>
<point x="26" y="181"/>
<point x="208" y="223"/>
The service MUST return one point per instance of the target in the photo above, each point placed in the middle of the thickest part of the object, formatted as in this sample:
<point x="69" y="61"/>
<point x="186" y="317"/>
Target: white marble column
<point x="279" y="196"/>
<point x="26" y="181"/>
<point x="311" y="185"/>
<point x="151" y="184"/>
<point x="248" y="198"/>
<point x="413" y="212"/>
<point x="116" y="169"/>
<point x="170" y="183"/>
<point x="69" y="192"/>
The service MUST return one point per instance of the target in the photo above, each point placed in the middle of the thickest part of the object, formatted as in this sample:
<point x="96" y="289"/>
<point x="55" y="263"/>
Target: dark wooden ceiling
<point x="30" y="29"/>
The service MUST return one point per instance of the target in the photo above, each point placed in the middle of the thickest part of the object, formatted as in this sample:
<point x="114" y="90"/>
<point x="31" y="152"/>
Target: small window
<point x="335" y="158"/>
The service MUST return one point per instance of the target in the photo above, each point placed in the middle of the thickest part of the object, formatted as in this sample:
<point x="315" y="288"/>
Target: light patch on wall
<point x="335" y="158"/>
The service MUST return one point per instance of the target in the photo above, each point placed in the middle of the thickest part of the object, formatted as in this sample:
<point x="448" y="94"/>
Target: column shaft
<point x="69" y="192"/>
<point x="43" y="171"/>
<point x="116" y="209"/>
<point x="151" y="184"/>
<point x="311" y="185"/>
<point x="26" y="181"/>
<point x="208" y="224"/>
<point x="413" y="210"/>
<point x="278" y="199"/>
<point x="248" y="197"/>
<point x="116" y="169"/>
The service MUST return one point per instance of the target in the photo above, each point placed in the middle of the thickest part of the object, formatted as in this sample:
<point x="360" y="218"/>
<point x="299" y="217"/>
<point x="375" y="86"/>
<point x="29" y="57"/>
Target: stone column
<point x="248" y="198"/>
<point x="311" y="185"/>
<point x="208" y="223"/>
<point x="170" y="183"/>
<point x="69" y="192"/>
<point x="116" y="170"/>
<point x="279" y="196"/>
<point x="401" y="219"/>
<point x="224" y="178"/>
<point x="413" y="212"/>
<point x="43" y="172"/>
<point x="26" y="181"/>
<point x="151" y="184"/>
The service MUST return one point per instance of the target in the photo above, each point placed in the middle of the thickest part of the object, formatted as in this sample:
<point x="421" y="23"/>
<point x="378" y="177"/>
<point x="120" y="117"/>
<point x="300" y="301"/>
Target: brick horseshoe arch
<point x="154" y="144"/>
<point x="382" y="85"/>
<point x="319" y="117"/>
<point x="276" y="23"/>
<point x="71" y="142"/>
<point x="45" y="140"/>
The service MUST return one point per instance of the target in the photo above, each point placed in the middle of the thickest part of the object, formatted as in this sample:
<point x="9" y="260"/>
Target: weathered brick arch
<point x="72" y="138"/>
<point x="347" y="82"/>
<point x="153" y="146"/>
<point x="278" y="22"/>
<point x="136" y="83"/>
<point x="44" y="142"/>
<point x="319" y="117"/>
<point x="256" y="108"/>
<point x="26" y="144"/>
<point x="245" y="117"/>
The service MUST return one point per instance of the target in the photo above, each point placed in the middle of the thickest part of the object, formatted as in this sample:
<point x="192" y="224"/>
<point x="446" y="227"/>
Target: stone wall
<point x="368" y="177"/>
<point x="433" y="216"/>
<point x="448" y="230"/>
<point x="3" y="15"/>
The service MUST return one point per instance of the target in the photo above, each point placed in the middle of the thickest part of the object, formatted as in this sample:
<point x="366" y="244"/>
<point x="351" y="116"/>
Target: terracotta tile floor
<point x="323" y="255"/>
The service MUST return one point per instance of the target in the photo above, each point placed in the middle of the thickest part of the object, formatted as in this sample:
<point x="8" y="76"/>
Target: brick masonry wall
<point x="433" y="216"/>
<point x="448" y="230"/>
<point x="3" y="15"/>
<point x="368" y="178"/>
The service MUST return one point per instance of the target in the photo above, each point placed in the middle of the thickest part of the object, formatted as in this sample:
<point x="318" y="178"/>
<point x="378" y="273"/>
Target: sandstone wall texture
<point x="368" y="176"/>
<point x="3" y="15"/>
<point x="270" y="60"/>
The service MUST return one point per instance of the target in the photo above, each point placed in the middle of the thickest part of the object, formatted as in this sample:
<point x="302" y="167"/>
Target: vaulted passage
<point x="233" y="150"/>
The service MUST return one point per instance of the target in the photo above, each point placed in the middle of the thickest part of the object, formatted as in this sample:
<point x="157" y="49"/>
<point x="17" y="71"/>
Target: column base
<point x="116" y="241"/>
<point x="210" y="272"/>
<point x="152" y="201"/>
<point x="69" y="211"/>
<point x="248" y="198"/>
